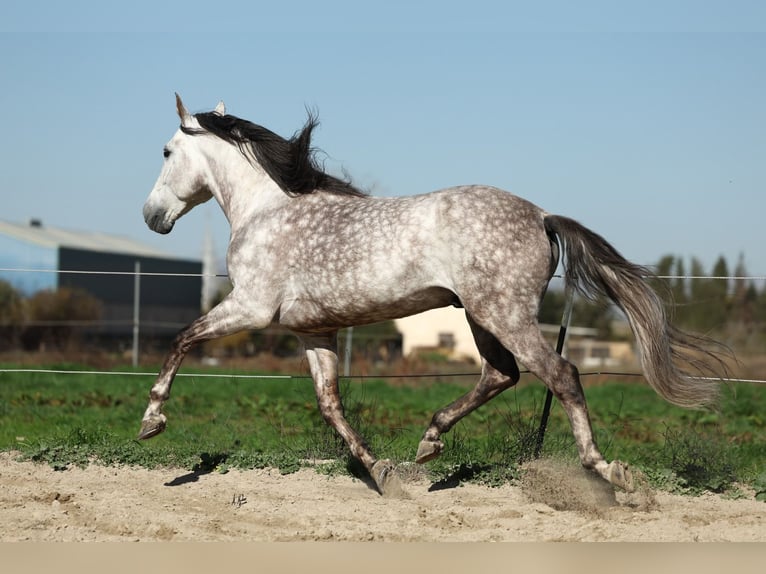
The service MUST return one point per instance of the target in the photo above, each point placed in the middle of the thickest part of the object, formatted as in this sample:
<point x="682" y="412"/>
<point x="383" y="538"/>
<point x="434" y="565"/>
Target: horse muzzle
<point x="161" y="210"/>
<point x="157" y="219"/>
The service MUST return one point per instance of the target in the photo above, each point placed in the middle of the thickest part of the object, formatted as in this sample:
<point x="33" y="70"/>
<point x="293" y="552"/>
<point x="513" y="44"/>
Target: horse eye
<point x="166" y="153"/>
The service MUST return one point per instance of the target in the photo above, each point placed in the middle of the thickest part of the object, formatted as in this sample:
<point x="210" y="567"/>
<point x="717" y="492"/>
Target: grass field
<point x="216" y="423"/>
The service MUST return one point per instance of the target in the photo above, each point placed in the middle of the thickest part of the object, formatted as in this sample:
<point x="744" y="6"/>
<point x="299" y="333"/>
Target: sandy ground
<point x="100" y="503"/>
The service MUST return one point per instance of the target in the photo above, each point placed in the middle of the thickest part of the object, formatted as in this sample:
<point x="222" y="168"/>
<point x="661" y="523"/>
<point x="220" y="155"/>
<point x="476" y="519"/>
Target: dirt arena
<point x="553" y="503"/>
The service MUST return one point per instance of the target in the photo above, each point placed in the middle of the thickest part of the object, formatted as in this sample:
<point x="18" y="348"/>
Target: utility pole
<point x="136" y="309"/>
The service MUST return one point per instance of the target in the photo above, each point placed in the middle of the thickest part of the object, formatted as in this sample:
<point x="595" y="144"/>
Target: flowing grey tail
<point x="594" y="268"/>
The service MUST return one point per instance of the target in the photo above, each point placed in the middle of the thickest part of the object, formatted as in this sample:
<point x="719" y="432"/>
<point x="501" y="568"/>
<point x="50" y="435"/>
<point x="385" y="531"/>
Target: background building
<point x="166" y="303"/>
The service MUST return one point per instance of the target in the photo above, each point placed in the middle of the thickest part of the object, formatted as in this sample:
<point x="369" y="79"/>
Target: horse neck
<point x="240" y="187"/>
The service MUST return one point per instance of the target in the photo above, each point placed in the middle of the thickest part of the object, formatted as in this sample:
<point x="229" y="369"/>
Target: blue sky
<point x="647" y="122"/>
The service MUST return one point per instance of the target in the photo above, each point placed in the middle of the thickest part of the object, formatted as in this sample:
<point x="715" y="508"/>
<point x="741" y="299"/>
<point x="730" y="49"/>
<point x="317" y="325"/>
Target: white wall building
<point x="442" y="327"/>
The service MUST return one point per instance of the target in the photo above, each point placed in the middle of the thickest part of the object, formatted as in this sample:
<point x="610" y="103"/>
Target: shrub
<point x="54" y="314"/>
<point x="696" y="462"/>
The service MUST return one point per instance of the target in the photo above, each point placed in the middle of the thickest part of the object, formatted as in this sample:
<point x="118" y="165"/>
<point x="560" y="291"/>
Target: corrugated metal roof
<point x="54" y="237"/>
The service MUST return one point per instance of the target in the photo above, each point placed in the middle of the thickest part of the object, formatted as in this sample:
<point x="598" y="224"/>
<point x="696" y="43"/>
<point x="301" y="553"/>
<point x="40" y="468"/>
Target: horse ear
<point x="220" y="109"/>
<point x="182" y="113"/>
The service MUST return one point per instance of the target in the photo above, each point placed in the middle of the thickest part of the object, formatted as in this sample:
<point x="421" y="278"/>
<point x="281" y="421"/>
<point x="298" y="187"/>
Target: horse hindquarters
<point x="509" y="314"/>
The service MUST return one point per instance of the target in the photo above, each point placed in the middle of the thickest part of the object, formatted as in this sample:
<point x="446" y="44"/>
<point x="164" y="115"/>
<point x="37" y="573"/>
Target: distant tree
<point x="700" y="301"/>
<point x="54" y="315"/>
<point x="11" y="315"/>
<point x="759" y="308"/>
<point x="708" y="303"/>
<point x="665" y="266"/>
<point x="720" y="284"/>
<point x="744" y="296"/>
<point x="597" y="314"/>
<point x="673" y="289"/>
<point x="678" y="288"/>
<point x="697" y="282"/>
<point x="662" y="270"/>
<point x="731" y="310"/>
<point x="717" y="292"/>
<point x="692" y="315"/>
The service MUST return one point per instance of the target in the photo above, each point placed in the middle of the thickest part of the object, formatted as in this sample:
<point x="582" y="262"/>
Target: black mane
<point x="289" y="162"/>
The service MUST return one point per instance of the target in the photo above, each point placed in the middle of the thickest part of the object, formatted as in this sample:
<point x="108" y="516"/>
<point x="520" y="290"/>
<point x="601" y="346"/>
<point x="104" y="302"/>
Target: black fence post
<point x="565" y="319"/>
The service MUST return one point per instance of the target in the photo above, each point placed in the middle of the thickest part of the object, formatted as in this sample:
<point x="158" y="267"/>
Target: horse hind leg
<point x="563" y="379"/>
<point x="321" y="352"/>
<point x="499" y="371"/>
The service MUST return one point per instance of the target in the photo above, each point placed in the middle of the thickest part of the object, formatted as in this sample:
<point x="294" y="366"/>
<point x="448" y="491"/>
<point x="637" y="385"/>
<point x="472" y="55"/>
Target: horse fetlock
<point x="152" y="425"/>
<point x="428" y="449"/>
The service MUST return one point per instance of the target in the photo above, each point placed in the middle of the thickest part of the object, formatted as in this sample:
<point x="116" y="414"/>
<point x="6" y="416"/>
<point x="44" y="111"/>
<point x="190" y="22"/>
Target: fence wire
<point x="127" y="273"/>
<point x="350" y="377"/>
<point x="225" y="275"/>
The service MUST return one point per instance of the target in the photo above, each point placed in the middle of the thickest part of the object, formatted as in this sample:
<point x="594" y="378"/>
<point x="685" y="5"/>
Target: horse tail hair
<point x="593" y="267"/>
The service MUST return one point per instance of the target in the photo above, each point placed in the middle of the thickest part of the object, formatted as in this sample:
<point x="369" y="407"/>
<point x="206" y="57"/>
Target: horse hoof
<point x="386" y="480"/>
<point x="428" y="450"/>
<point x="152" y="426"/>
<point x="620" y="475"/>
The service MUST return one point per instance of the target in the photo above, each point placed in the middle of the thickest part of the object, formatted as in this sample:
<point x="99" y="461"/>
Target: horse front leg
<point x="227" y="318"/>
<point x="154" y="422"/>
<point x="321" y="352"/>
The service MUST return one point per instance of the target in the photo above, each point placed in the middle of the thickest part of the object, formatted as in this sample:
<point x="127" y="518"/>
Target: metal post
<point x="136" y="309"/>
<point x="347" y="355"/>
<point x="565" y="319"/>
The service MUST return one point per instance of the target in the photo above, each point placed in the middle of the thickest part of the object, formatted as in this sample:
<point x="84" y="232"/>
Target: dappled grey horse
<point x="312" y="253"/>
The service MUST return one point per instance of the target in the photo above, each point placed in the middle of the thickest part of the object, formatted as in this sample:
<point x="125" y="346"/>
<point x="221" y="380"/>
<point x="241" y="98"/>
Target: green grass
<point x="222" y="422"/>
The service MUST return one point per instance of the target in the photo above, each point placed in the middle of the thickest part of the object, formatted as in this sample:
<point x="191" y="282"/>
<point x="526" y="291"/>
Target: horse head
<point x="184" y="180"/>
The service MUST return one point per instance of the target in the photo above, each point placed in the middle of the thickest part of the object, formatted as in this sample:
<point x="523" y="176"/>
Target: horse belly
<point x="331" y="313"/>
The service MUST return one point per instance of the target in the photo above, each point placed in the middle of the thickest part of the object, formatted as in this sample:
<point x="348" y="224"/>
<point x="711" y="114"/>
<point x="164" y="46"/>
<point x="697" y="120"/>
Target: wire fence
<point x="349" y="377"/>
<point x="118" y="273"/>
<point x="435" y="375"/>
